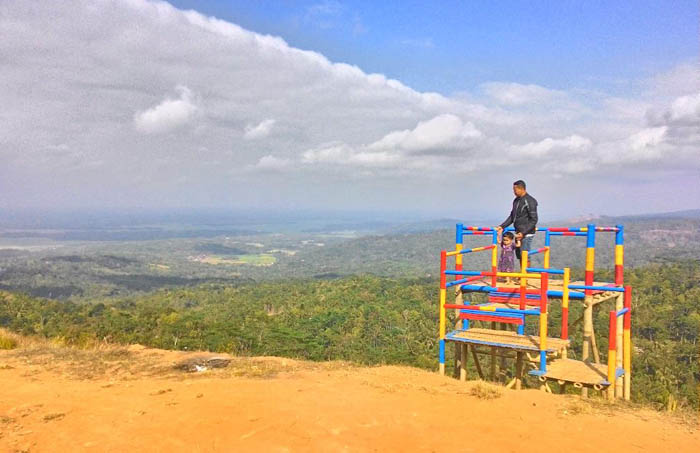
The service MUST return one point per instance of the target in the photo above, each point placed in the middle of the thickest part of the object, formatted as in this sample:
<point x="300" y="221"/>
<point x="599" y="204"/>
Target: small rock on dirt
<point x="200" y="363"/>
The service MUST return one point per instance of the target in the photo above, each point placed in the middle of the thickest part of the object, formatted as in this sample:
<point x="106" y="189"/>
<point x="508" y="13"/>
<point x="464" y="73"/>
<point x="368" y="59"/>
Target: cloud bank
<point x="136" y="103"/>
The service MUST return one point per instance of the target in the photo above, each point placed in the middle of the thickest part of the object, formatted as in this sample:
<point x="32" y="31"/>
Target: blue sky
<point x="381" y="106"/>
<point x="453" y="46"/>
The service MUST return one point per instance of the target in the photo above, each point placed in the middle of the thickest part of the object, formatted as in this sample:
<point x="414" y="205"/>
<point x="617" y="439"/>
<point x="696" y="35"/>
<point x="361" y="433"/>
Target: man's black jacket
<point x="523" y="216"/>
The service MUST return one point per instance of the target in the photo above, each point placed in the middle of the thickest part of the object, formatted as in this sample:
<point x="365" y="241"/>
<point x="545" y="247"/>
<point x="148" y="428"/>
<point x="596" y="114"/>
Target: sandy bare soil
<point x="55" y="399"/>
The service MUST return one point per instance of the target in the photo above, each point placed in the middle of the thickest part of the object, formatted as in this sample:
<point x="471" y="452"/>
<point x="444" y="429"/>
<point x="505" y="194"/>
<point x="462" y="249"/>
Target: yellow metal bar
<point x="517" y="275"/>
<point x="619" y="254"/>
<point x="546" y="258"/>
<point x="494" y="257"/>
<point x="524" y="261"/>
<point x="590" y="258"/>
<point x="611" y="373"/>
<point x="453" y="253"/>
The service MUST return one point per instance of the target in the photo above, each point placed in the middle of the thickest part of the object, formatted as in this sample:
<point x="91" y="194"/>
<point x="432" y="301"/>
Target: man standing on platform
<point x="523" y="216"/>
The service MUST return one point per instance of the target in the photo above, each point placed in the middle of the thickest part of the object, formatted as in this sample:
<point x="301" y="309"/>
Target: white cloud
<point x="207" y="93"/>
<point x="677" y="81"/>
<point x="260" y="130"/>
<point x="434" y="139"/>
<point x="647" y="138"/>
<point x="516" y="94"/>
<point x="168" y="115"/>
<point x="271" y="162"/>
<point x="572" y="144"/>
<point x="685" y="109"/>
<point x="439" y="133"/>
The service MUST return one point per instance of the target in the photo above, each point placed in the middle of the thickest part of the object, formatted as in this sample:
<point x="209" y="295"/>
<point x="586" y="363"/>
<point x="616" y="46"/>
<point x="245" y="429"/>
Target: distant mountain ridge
<point x="594" y="218"/>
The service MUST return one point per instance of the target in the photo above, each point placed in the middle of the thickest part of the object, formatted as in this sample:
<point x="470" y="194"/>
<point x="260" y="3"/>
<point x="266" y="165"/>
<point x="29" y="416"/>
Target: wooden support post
<point x="627" y="361"/>
<point x="493" y="357"/>
<point x="477" y="364"/>
<point x="519" y="371"/>
<point x="587" y="333"/>
<point x="594" y="347"/>
<point x="502" y="367"/>
<point x="464" y="349"/>
<point x="562" y="387"/>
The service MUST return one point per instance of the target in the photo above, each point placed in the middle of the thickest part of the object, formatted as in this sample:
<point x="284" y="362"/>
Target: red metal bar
<point x="565" y="324"/>
<point x="504" y="300"/>
<point x="619" y="274"/>
<point x="588" y="280"/>
<point x="627" y="323"/>
<point x="544" y="284"/>
<point x="517" y="290"/>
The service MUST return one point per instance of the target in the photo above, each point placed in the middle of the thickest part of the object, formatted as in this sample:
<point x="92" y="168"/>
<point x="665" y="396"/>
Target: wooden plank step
<point x="505" y="339"/>
<point x="577" y="371"/>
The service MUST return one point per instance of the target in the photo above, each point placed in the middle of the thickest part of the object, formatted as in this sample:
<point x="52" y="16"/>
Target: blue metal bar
<point x="543" y="361"/>
<point x="458" y="234"/>
<point x="470" y="273"/>
<point x="598" y="288"/>
<point x="572" y="294"/>
<point x="550" y="271"/>
<point x="590" y="242"/>
<point x="456" y="282"/>
<point x="442" y="351"/>
<point x="622" y="312"/>
<point x="478" y="288"/>
<point x="620" y="235"/>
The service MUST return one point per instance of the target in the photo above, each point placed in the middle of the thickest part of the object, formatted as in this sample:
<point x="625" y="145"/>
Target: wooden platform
<point x="577" y="371"/>
<point x="505" y="339"/>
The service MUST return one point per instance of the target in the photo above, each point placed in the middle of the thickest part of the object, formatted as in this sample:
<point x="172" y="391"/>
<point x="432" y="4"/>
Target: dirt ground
<point x="55" y="399"/>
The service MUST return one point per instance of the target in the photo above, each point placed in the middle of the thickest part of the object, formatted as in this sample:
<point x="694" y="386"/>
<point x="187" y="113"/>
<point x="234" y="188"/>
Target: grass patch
<point x="56" y="416"/>
<point x="7" y="342"/>
<point x="485" y="391"/>
<point x="262" y="259"/>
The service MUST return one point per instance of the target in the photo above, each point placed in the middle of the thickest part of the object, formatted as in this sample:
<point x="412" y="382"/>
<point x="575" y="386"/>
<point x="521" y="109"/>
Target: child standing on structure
<point x="507" y="261"/>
